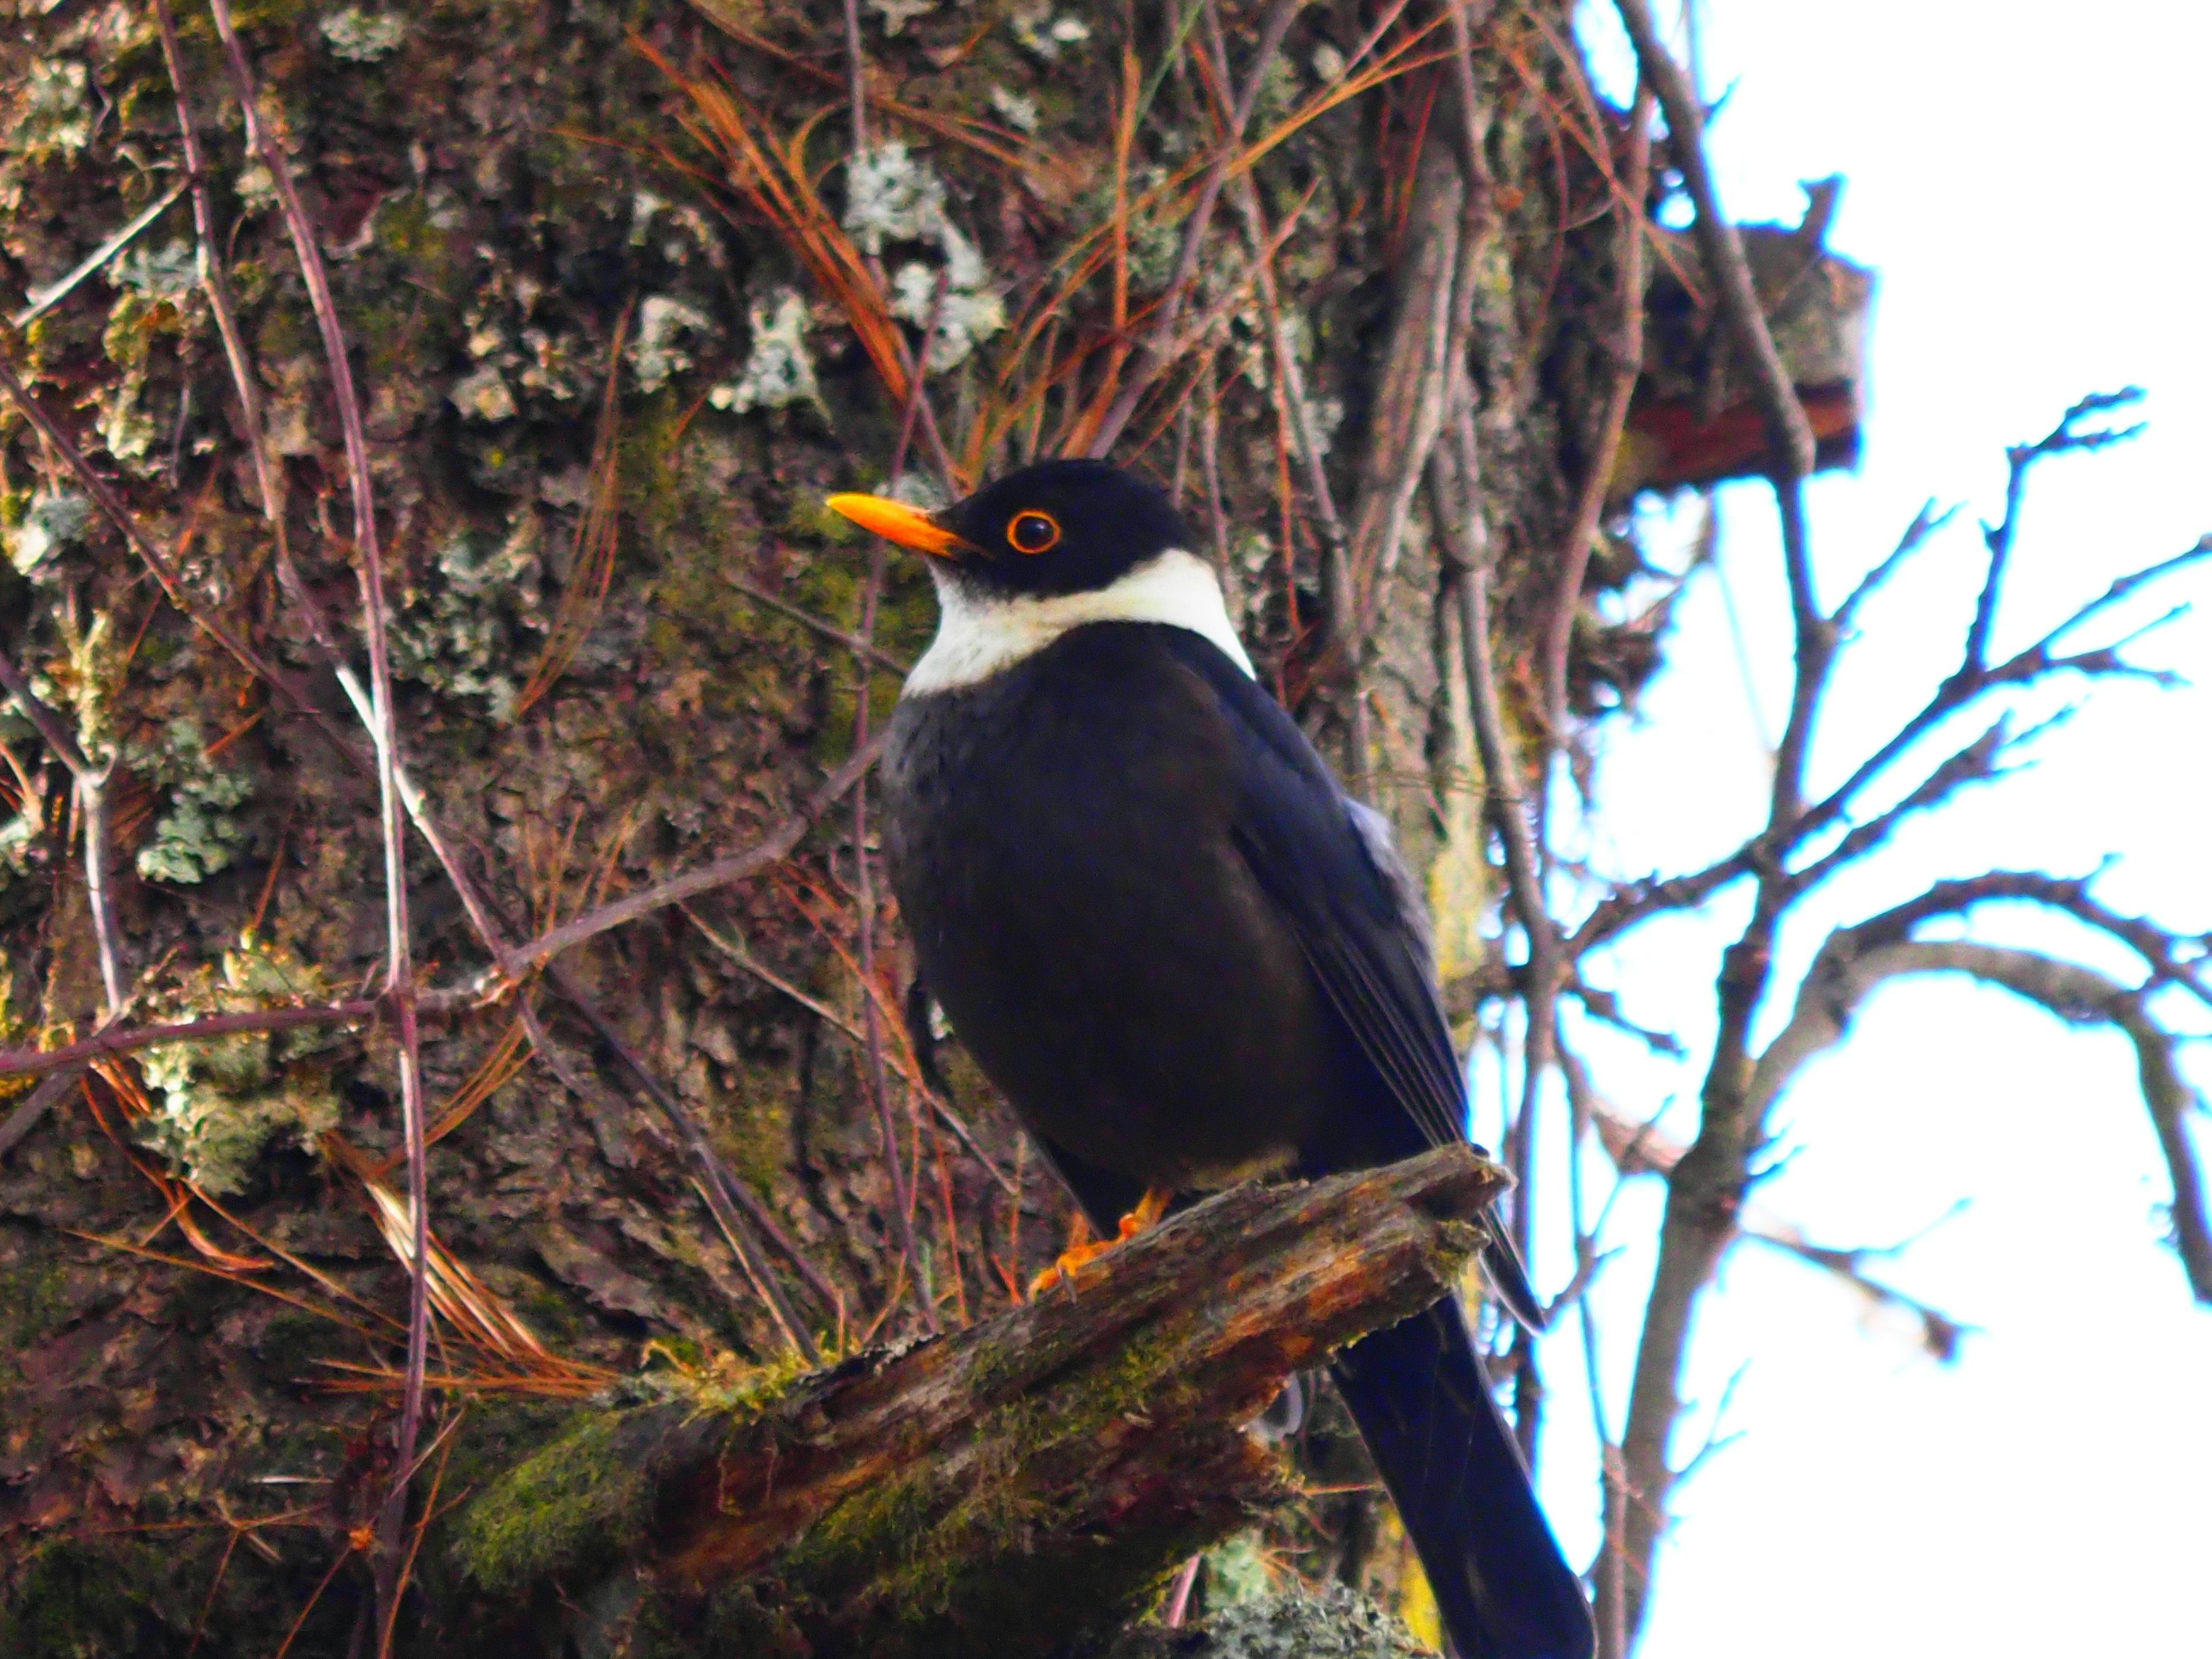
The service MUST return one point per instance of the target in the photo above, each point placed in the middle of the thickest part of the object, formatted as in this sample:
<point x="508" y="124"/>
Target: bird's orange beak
<point x="895" y="521"/>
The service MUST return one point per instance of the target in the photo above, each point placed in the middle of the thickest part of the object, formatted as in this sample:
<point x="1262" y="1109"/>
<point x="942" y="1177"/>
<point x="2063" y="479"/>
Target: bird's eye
<point x="1032" y="533"/>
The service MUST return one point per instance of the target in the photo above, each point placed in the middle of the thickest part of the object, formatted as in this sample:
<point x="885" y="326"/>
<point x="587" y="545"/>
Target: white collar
<point x="980" y="635"/>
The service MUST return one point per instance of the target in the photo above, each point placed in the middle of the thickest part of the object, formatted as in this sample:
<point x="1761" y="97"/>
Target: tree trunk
<point x="604" y="387"/>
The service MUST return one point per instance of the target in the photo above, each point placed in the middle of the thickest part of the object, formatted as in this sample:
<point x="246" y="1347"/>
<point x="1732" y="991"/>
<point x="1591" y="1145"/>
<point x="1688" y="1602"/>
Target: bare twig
<point x="111" y="507"/>
<point x="91" y="783"/>
<point x="1855" y="960"/>
<point x="399" y="974"/>
<point x="1925" y="523"/>
<point x="770" y="848"/>
<point x="714" y="1183"/>
<point x="734" y="948"/>
<point x="874" y="1080"/>
<point x="2020" y="461"/>
<point x="58" y="291"/>
<point x="1289" y="379"/>
<point x="852" y="642"/>
<point x="123" y="1040"/>
<point x="1638" y="902"/>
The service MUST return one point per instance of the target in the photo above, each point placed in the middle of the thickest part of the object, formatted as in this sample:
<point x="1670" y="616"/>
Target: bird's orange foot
<point x="1150" y="1208"/>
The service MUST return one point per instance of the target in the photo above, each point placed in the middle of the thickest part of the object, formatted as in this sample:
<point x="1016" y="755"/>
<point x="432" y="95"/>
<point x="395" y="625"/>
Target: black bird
<point x="1187" y="957"/>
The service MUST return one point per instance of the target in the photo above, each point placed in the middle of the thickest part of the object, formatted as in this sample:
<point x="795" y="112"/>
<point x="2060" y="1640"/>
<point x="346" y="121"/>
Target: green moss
<point x="222" y="1102"/>
<point x="76" y="1599"/>
<point x="581" y="1499"/>
<point x="32" y="1300"/>
<point x="574" y="1504"/>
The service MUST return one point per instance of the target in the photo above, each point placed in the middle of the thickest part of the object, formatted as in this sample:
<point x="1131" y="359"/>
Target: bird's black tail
<point x="1424" y="1408"/>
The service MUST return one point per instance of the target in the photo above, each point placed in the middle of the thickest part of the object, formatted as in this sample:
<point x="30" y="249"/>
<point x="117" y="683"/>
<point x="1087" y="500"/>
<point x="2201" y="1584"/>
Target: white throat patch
<point x="979" y="637"/>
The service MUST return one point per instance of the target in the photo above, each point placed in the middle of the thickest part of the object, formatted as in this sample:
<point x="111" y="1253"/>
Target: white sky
<point x="2027" y="184"/>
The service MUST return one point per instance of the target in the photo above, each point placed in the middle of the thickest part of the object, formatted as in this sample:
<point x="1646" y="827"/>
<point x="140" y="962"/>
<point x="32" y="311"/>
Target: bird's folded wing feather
<point x="1311" y="854"/>
<point x="1330" y="867"/>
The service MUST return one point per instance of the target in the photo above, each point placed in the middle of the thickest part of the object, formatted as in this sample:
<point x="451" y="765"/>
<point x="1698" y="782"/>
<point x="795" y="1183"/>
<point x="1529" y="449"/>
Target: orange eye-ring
<point x="1032" y="533"/>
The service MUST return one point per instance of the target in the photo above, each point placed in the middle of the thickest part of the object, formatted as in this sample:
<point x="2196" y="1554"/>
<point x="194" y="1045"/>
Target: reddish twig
<point x="1151" y="356"/>
<point x="399" y="974"/>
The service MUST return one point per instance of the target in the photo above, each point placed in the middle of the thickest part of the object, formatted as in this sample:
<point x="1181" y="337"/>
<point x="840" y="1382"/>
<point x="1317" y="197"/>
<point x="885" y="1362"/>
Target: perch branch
<point x="1058" y="1460"/>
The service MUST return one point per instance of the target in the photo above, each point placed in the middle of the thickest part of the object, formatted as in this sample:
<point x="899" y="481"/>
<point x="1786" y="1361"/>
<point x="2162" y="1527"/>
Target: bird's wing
<point x="1331" y="870"/>
<point x="1355" y="916"/>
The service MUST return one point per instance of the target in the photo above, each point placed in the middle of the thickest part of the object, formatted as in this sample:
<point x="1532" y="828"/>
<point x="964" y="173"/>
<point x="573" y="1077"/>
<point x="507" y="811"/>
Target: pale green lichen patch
<point x="46" y="525"/>
<point x="199" y="834"/>
<point x="461" y="635"/>
<point x="892" y="197"/>
<point x="667" y="330"/>
<point x="362" y="36"/>
<point x="53" y="115"/>
<point x="219" y="1103"/>
<point x="778" y="372"/>
<point x="482" y="395"/>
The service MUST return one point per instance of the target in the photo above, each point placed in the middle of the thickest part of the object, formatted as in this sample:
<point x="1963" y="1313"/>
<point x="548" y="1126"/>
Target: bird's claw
<point x="1150" y="1209"/>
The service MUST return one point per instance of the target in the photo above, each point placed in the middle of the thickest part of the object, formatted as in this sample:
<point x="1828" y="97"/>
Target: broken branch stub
<point x="1014" y="1483"/>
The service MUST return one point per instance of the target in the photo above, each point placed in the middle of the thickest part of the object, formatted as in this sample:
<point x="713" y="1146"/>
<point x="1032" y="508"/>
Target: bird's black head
<point x="1060" y="527"/>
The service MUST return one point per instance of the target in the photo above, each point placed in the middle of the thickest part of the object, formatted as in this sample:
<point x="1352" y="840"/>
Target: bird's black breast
<point x="1060" y="837"/>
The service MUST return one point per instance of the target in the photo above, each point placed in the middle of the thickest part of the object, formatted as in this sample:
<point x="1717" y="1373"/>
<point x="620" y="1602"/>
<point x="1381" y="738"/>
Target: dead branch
<point x="1013" y="1483"/>
<point x="1854" y="961"/>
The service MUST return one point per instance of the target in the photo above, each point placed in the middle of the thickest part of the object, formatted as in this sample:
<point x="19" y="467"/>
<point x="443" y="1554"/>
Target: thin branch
<point x="1925" y="523"/>
<point x="1457" y="501"/>
<point x="1344" y="643"/>
<point x="399" y="975"/>
<point x="714" y="1183"/>
<point x="111" y="507"/>
<point x="46" y="719"/>
<point x="771" y="849"/>
<point x="1854" y="961"/>
<point x="1789" y="433"/>
<point x="874" y="1080"/>
<point x="2019" y="460"/>
<point x="1637" y="901"/>
<point x="1975" y="763"/>
<point x="55" y="292"/>
<point x="828" y="630"/>
<point x="124" y="1040"/>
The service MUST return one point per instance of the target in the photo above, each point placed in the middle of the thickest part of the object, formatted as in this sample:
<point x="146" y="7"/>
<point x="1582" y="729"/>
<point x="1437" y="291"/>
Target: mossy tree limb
<point x="1020" y="1481"/>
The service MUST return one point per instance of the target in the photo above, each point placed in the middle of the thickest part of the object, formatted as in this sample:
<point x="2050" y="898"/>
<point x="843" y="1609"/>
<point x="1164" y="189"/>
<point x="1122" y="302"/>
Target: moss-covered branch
<point x="1019" y="1481"/>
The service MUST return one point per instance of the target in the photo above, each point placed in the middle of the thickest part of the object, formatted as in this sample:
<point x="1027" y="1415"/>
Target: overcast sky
<point x="2027" y="184"/>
